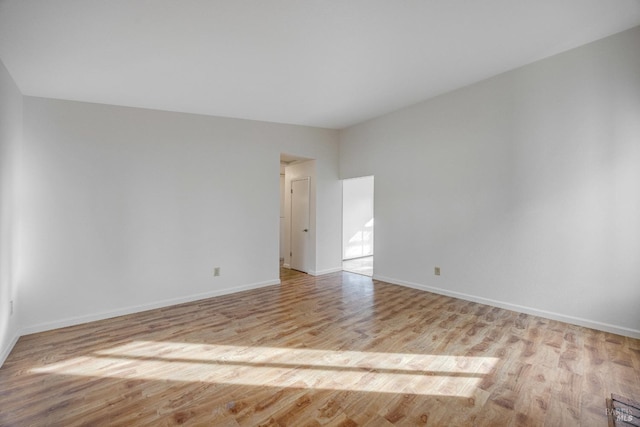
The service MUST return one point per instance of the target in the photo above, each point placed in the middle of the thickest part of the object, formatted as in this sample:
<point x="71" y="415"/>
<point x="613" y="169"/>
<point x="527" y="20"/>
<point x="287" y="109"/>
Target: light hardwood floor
<point x="338" y="349"/>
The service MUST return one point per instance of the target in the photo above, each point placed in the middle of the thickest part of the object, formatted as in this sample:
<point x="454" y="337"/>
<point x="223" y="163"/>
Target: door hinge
<point x="292" y="191"/>
<point x="290" y="253"/>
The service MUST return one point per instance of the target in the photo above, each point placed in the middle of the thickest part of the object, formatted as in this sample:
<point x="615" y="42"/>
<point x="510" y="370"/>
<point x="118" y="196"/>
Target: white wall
<point x="357" y="217"/>
<point x="328" y="215"/>
<point x="128" y="208"/>
<point x="524" y="188"/>
<point x="10" y="138"/>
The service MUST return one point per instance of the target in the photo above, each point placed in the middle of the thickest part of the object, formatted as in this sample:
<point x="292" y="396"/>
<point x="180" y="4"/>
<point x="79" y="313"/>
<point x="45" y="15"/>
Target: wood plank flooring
<point x="335" y="350"/>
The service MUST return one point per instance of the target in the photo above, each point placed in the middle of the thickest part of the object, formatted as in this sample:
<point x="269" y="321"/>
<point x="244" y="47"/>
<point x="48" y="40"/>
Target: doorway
<point x="358" y="225"/>
<point x="296" y="168"/>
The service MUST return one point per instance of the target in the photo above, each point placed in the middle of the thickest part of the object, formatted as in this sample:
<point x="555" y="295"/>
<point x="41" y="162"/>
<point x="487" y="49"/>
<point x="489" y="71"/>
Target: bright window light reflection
<point x="284" y="367"/>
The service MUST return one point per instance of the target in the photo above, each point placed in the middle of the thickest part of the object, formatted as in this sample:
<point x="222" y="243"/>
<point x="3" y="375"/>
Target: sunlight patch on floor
<point x="443" y="375"/>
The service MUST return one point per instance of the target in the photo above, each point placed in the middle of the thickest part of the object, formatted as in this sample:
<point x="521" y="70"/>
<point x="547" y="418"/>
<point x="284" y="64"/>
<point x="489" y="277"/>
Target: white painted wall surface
<point x="10" y="138"/>
<point x="357" y="217"/>
<point x="328" y="208"/>
<point x="524" y="188"/>
<point x="127" y="208"/>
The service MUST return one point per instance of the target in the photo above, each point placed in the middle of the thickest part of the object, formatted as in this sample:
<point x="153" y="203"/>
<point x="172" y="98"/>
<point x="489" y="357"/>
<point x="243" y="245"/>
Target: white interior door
<point x="300" y="224"/>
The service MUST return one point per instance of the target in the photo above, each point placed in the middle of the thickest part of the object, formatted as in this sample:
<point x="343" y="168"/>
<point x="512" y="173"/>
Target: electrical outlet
<point x="216" y="271"/>
<point x="436" y="271"/>
<point x="11" y="307"/>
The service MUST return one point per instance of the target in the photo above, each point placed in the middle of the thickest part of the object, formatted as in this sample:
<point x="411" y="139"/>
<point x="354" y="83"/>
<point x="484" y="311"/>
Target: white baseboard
<point x="47" y="326"/>
<point x="6" y="351"/>
<point x="326" y="271"/>
<point x="606" y="327"/>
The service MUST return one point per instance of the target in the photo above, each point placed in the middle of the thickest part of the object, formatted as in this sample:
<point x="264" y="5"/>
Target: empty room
<point x="172" y="224"/>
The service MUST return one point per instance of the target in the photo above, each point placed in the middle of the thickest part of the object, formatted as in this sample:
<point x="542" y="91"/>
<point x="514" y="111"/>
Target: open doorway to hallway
<point x="357" y="225"/>
<point x="297" y="218"/>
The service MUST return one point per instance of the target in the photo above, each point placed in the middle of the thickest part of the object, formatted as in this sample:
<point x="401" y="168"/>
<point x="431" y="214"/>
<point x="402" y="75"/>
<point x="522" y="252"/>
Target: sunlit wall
<point x="524" y="188"/>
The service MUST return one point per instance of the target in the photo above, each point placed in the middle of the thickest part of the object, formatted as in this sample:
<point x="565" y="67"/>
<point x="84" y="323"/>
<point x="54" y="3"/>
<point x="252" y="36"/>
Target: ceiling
<point x="326" y="63"/>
